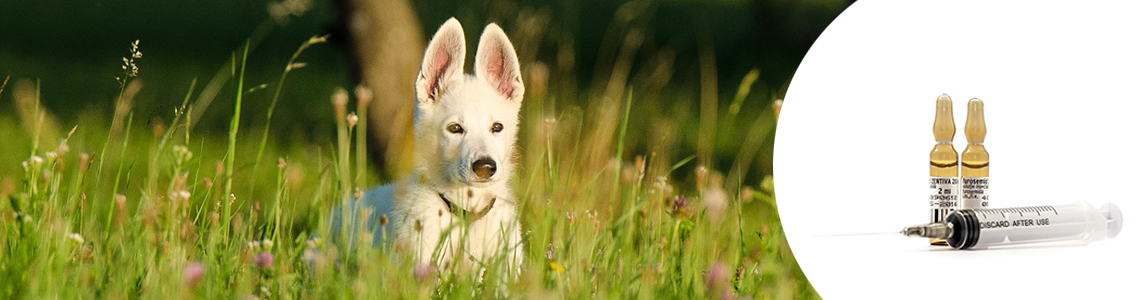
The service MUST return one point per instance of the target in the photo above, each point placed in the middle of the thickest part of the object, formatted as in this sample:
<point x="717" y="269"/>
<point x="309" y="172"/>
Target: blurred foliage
<point x="772" y="35"/>
<point x="73" y="47"/>
<point x="68" y="54"/>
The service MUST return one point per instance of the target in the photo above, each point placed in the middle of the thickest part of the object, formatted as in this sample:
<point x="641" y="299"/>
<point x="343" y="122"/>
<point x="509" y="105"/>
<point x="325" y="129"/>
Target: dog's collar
<point x="465" y="214"/>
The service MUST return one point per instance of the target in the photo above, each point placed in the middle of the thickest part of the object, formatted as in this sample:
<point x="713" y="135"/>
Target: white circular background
<point x="1059" y="83"/>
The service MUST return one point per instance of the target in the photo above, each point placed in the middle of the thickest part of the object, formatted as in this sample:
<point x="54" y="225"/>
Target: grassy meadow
<point x="649" y="190"/>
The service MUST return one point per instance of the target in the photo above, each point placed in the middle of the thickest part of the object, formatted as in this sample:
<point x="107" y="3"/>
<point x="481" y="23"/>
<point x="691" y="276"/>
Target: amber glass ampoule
<point x="975" y="159"/>
<point x="944" y="181"/>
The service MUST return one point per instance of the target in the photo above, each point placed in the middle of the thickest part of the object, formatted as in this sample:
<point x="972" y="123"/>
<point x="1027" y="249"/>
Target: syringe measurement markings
<point x="1019" y="210"/>
<point x="1004" y="212"/>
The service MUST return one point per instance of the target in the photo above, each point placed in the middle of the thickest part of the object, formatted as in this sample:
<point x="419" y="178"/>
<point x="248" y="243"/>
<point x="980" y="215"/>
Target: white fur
<point x="445" y="96"/>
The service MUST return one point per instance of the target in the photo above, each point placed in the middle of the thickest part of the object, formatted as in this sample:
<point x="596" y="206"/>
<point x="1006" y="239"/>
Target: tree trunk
<point x="388" y="43"/>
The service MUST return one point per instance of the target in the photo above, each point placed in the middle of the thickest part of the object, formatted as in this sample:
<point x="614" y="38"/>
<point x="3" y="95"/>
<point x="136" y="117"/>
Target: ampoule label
<point x="975" y="192"/>
<point x="943" y="196"/>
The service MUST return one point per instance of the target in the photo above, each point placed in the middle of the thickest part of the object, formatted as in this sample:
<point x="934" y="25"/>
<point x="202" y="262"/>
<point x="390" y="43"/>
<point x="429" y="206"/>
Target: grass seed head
<point x="120" y="200"/>
<point x="363" y="96"/>
<point x="120" y="208"/>
<point x="549" y="123"/>
<point x="36" y="161"/>
<point x="282" y="11"/>
<point x="78" y="239"/>
<point x="130" y="67"/>
<point x="179" y="181"/>
<point x="63" y="148"/>
<point x="158" y="129"/>
<point x="294" y="66"/>
<point x="702" y="174"/>
<point x="747" y="194"/>
<point x="182" y="154"/>
<point x="83" y="159"/>
<point x="715" y="198"/>
<point x="340" y="103"/>
<point x="639" y="165"/>
<point x="184" y="197"/>
<point x="352" y="119"/>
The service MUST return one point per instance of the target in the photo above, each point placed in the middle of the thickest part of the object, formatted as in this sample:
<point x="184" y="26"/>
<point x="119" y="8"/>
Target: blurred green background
<point x="73" y="49"/>
<point x="698" y="121"/>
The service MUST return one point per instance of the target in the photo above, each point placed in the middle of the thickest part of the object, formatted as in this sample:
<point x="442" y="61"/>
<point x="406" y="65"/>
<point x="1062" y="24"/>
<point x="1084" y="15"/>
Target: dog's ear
<point x="443" y="61"/>
<point x="497" y="63"/>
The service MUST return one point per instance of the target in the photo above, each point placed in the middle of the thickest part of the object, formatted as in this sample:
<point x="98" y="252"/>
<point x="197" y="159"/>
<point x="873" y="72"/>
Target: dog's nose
<point x="484" y="168"/>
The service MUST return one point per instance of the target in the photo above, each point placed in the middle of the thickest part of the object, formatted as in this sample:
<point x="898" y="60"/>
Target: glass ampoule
<point x="944" y="181"/>
<point x="975" y="159"/>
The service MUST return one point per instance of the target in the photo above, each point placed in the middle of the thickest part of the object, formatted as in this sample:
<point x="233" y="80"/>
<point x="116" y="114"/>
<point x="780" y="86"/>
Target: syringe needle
<point x="858" y="234"/>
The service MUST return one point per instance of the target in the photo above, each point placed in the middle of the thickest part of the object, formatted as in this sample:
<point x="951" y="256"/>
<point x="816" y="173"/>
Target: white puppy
<point x="457" y="204"/>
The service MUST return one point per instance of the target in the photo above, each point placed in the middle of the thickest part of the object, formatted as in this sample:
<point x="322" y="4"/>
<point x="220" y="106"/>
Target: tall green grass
<point x="134" y="210"/>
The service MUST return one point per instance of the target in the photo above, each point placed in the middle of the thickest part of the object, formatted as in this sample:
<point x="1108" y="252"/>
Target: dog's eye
<point x="454" y="128"/>
<point x="496" y="127"/>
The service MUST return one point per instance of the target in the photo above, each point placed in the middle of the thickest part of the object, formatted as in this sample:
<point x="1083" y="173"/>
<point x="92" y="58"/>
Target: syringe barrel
<point x="1079" y="222"/>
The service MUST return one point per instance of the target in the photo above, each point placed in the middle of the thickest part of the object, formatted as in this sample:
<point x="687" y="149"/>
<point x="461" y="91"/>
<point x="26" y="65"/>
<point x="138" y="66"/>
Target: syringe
<point x="979" y="228"/>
